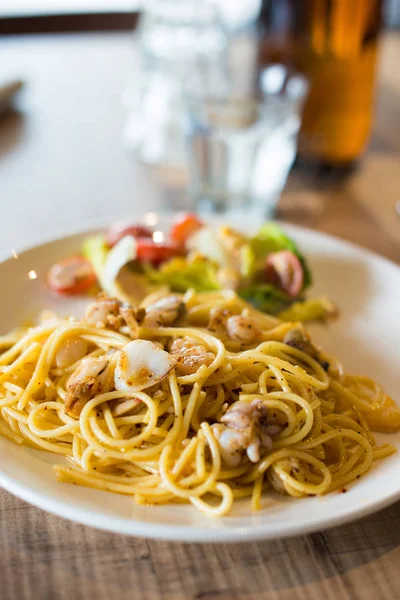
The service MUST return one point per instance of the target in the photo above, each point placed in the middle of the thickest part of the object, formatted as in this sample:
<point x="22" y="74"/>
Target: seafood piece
<point x="72" y="350"/>
<point x="93" y="376"/>
<point x="217" y="320"/>
<point x="112" y="314"/>
<point x="141" y="364"/>
<point x="244" y="430"/>
<point x="131" y="320"/>
<point x="164" y="312"/>
<point x="191" y="356"/>
<point x="243" y="328"/>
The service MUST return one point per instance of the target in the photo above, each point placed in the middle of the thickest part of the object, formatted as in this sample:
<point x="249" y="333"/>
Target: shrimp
<point x="191" y="356"/>
<point x="244" y="430"/>
<point x="243" y="328"/>
<point x="164" y="312"/>
<point x="113" y="314"/>
<point x="104" y="312"/>
<point x="93" y="376"/>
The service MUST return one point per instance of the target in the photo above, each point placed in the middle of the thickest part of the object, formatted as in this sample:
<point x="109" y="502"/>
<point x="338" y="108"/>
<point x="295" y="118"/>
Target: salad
<point x="129" y="261"/>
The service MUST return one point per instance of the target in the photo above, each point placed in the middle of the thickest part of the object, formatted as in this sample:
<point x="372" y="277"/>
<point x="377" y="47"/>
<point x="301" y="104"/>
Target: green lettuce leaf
<point x="315" y="309"/>
<point x="181" y="274"/>
<point x="266" y="297"/>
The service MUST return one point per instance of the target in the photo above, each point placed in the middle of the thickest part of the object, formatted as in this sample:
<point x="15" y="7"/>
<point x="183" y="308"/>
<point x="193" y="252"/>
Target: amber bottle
<point x="335" y="44"/>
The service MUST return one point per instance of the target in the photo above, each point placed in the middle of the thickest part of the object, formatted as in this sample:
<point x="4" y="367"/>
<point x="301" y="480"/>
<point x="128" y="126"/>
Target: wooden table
<point x="62" y="163"/>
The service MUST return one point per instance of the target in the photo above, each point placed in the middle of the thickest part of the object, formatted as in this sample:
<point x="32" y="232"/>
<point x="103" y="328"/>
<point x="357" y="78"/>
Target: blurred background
<point x="275" y="107"/>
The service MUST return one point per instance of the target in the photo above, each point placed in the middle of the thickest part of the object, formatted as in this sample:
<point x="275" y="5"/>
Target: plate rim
<point x="183" y="533"/>
<point x="176" y="532"/>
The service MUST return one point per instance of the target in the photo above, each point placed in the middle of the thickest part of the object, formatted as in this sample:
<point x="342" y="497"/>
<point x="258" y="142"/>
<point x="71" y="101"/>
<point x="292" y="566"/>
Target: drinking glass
<point x="176" y="38"/>
<point x="241" y="148"/>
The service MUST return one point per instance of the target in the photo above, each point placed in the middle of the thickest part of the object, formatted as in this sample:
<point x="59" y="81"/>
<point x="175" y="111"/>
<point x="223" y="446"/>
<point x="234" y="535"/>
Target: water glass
<point x="176" y="39"/>
<point x="241" y="148"/>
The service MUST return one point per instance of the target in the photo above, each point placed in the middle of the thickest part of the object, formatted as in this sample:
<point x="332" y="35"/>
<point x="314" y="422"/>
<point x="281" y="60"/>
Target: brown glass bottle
<point x="334" y="43"/>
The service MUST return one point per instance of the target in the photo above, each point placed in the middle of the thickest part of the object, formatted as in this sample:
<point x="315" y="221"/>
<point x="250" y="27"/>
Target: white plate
<point x="367" y="340"/>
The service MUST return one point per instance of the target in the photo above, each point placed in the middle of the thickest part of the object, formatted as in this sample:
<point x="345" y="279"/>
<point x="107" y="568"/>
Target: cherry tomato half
<point x="284" y="270"/>
<point x="72" y="275"/>
<point x="119" y="230"/>
<point x="156" y="253"/>
<point x="185" y="226"/>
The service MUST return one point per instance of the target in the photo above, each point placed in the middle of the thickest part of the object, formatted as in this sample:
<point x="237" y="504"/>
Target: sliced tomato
<point x="283" y="269"/>
<point x="119" y="230"/>
<point x="185" y="226"/>
<point x="156" y="253"/>
<point x="73" y="275"/>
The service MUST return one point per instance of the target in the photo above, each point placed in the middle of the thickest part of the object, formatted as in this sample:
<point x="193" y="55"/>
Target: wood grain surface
<point x="62" y="163"/>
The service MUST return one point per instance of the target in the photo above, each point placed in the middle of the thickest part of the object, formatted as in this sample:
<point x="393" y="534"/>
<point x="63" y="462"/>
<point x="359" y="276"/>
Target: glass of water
<point x="176" y="39"/>
<point x="241" y="148"/>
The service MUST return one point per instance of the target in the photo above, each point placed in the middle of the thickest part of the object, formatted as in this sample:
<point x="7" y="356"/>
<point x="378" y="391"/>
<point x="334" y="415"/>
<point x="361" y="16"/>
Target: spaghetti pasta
<point x="226" y="403"/>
